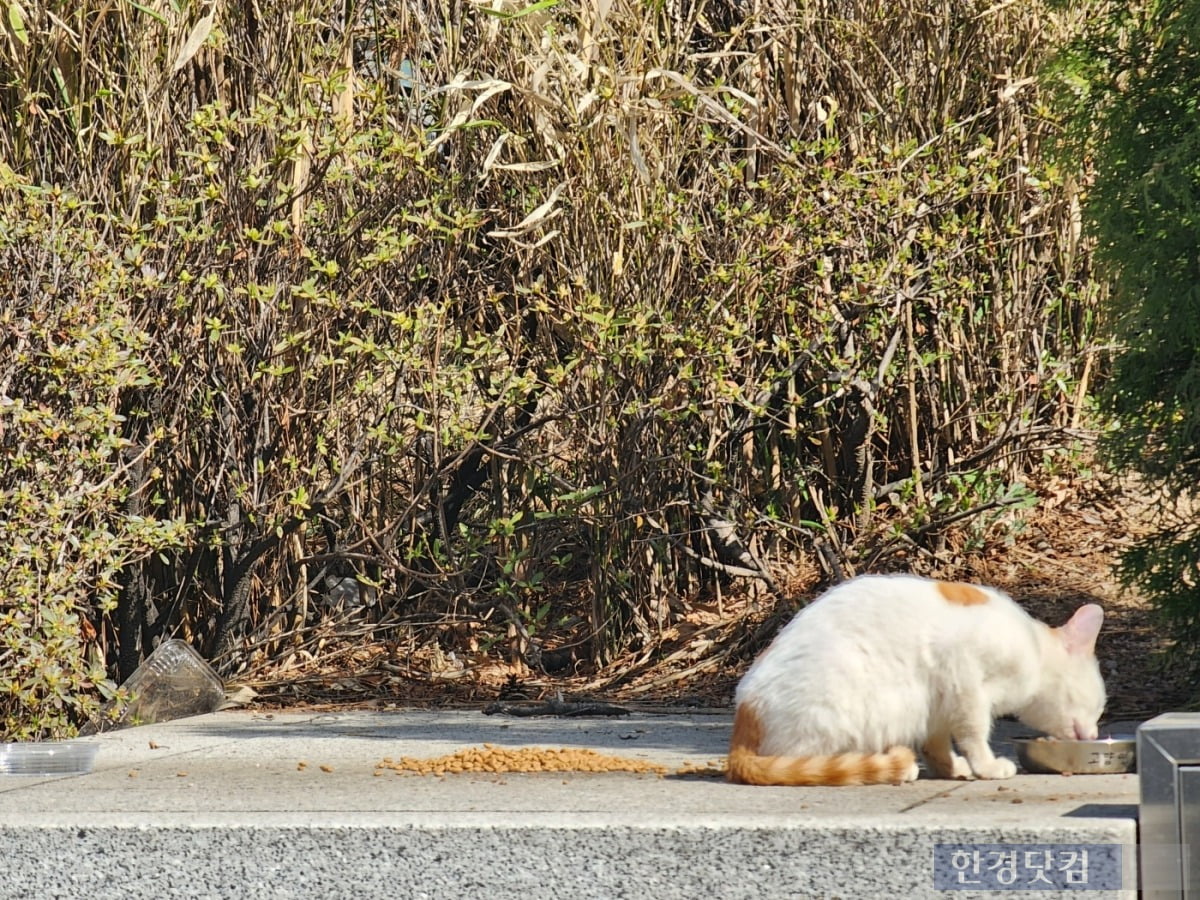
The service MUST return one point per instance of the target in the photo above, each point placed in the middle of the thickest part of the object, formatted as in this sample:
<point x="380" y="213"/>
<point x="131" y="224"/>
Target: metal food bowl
<point x="1107" y="755"/>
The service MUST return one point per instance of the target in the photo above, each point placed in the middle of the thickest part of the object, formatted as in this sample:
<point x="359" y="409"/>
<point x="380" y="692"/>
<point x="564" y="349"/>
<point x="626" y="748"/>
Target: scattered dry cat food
<point x="490" y="758"/>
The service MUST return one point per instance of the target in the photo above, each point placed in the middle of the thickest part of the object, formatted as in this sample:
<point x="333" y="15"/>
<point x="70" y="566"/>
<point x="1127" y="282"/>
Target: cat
<point x="882" y="663"/>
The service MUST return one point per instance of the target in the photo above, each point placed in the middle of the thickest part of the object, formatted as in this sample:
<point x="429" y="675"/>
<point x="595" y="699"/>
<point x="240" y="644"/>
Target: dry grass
<point x="495" y="308"/>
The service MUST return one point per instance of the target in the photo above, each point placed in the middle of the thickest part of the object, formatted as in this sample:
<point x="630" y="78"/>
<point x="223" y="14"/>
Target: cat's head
<point x="1071" y="697"/>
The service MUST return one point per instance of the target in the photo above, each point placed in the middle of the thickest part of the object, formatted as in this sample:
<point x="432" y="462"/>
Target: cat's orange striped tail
<point x="746" y="766"/>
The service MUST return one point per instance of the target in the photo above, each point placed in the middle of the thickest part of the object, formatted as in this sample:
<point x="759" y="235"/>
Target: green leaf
<point x="158" y="17"/>
<point x="16" y="22"/>
<point x="520" y="13"/>
<point x="579" y="496"/>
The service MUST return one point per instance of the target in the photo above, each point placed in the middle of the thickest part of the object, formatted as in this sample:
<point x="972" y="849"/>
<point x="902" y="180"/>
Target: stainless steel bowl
<point x="1112" y="754"/>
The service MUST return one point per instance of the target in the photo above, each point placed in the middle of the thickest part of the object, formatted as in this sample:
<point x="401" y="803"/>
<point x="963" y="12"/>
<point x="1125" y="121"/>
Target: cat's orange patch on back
<point x="961" y="594"/>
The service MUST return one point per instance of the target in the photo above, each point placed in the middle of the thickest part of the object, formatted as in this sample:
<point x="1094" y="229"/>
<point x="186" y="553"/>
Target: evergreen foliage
<point x="1135" y="85"/>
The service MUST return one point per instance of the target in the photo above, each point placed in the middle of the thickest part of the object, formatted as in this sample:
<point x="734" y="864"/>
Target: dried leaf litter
<point x="502" y="760"/>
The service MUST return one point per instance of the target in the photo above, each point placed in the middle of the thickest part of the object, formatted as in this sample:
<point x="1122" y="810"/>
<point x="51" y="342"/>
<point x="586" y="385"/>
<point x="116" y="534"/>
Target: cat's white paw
<point x="960" y="768"/>
<point x="911" y="775"/>
<point x="996" y="768"/>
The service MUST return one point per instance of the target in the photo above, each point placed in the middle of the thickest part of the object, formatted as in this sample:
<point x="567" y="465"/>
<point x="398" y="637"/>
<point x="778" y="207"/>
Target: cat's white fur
<point x="879" y="664"/>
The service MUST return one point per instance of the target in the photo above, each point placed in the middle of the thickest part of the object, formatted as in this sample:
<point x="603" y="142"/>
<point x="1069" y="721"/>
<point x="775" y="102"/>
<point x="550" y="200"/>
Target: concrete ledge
<point x="218" y="806"/>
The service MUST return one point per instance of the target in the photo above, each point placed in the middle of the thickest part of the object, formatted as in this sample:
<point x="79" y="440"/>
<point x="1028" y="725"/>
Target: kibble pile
<point x="490" y="758"/>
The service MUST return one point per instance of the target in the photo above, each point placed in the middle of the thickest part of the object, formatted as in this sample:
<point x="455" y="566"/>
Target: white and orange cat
<point x="884" y="663"/>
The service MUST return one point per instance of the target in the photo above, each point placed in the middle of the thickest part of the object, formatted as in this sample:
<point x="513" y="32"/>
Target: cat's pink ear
<point x="1080" y="633"/>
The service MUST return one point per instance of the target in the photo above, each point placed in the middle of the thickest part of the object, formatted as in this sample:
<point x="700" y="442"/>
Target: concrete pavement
<point x="294" y="804"/>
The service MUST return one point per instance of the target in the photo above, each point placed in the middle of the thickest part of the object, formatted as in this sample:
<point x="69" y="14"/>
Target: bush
<point x="71" y="351"/>
<point x="479" y="307"/>
<point x="1132" y="82"/>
